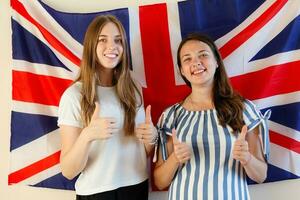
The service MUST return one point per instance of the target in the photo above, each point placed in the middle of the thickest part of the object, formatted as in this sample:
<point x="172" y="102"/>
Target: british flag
<point x="259" y="41"/>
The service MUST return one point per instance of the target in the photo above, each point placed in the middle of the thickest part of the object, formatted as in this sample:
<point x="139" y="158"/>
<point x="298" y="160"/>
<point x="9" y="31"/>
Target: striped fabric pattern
<point x="211" y="173"/>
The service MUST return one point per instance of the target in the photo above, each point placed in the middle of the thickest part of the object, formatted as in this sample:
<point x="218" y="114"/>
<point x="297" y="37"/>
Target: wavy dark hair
<point x="126" y="89"/>
<point x="228" y="102"/>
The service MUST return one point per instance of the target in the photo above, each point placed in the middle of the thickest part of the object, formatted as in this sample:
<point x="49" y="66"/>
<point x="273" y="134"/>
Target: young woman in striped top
<point x="214" y="138"/>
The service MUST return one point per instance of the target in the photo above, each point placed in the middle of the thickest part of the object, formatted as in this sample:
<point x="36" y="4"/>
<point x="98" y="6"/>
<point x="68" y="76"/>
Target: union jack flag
<point x="259" y="41"/>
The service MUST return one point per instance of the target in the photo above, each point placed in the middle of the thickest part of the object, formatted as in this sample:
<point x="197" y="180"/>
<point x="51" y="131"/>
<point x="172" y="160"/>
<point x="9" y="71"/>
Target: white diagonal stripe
<point x="237" y="64"/>
<point x="39" y="14"/>
<point x="278" y="100"/>
<point x="42" y="69"/>
<point x="36" y="32"/>
<point x="285" y="159"/>
<point x="34" y="151"/>
<point x="34" y="108"/>
<point x="277" y="59"/>
<point x="286" y="131"/>
<point x="250" y="19"/>
<point x="41" y="176"/>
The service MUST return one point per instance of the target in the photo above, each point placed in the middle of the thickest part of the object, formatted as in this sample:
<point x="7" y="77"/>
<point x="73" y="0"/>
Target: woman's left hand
<point x="146" y="132"/>
<point x="241" y="148"/>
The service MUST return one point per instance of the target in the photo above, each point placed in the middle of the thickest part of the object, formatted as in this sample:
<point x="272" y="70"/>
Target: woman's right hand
<point x="181" y="150"/>
<point x="100" y="127"/>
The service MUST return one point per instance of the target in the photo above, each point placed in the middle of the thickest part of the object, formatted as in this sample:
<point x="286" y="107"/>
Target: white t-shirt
<point x="116" y="162"/>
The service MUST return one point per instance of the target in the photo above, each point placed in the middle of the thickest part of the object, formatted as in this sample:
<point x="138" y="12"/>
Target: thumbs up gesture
<point x="146" y="132"/>
<point x="241" y="149"/>
<point x="181" y="150"/>
<point x="100" y="127"/>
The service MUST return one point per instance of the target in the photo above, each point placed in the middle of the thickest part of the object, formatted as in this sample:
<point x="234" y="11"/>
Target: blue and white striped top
<point x="211" y="173"/>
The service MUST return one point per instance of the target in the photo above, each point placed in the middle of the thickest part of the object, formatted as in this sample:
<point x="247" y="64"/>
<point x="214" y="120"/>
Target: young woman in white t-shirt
<point x="105" y="133"/>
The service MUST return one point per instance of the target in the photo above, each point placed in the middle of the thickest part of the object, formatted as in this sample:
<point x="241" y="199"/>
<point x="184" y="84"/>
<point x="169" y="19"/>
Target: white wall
<point x="275" y="191"/>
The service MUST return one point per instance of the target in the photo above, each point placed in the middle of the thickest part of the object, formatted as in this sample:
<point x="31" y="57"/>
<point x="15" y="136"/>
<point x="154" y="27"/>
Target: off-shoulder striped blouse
<point x="211" y="173"/>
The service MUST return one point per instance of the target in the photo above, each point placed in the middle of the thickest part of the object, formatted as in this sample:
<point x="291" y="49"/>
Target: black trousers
<point x="132" y="192"/>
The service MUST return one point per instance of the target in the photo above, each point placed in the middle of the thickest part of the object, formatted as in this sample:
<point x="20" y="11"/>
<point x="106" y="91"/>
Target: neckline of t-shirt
<point x="106" y="87"/>
<point x="99" y="86"/>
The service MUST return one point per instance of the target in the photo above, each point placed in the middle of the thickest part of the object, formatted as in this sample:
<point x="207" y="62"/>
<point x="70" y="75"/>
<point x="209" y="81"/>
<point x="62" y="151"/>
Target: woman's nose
<point x="111" y="45"/>
<point x="196" y="62"/>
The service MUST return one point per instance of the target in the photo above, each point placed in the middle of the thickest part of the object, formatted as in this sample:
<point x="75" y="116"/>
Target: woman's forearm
<point x="74" y="161"/>
<point x="164" y="174"/>
<point x="256" y="169"/>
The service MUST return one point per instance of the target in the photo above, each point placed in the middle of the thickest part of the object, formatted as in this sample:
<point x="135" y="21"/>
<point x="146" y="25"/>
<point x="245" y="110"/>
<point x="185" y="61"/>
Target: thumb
<point x="243" y="133"/>
<point x="174" y="137"/>
<point x="96" y="111"/>
<point x="148" y="119"/>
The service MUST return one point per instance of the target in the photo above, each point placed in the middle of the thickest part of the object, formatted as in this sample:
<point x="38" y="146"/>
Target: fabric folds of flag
<point x="259" y="41"/>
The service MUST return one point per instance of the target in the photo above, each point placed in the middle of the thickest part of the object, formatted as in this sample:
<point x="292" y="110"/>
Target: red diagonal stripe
<point x="250" y="30"/>
<point x="38" y="88"/>
<point x="270" y="81"/>
<point x="34" y="168"/>
<point x="285" y="142"/>
<point x="55" y="43"/>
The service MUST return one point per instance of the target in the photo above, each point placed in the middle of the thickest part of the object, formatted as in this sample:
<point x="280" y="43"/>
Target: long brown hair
<point x="126" y="89"/>
<point x="228" y="103"/>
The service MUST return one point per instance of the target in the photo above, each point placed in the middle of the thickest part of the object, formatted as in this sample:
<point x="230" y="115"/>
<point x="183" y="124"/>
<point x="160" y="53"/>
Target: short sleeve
<point x="167" y="120"/>
<point x="69" y="108"/>
<point x="166" y="123"/>
<point x="253" y="118"/>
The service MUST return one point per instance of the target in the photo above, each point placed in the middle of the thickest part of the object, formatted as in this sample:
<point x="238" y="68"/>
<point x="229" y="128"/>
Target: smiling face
<point x="110" y="46"/>
<point x="198" y="63"/>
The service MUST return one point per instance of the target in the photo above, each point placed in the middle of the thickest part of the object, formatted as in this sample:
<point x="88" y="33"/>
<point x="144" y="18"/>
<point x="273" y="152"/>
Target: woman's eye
<point x="118" y="41"/>
<point x="203" y="55"/>
<point x="102" y="40"/>
<point x="186" y="59"/>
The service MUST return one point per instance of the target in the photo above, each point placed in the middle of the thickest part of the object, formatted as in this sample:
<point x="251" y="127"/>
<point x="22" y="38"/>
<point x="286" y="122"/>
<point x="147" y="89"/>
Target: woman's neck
<point x="199" y="99"/>
<point x="201" y="94"/>
<point x="105" y="77"/>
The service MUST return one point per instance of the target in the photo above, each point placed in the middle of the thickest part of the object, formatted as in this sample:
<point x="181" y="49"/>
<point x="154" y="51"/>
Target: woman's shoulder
<point x="172" y="108"/>
<point x="249" y="105"/>
<point x="73" y="91"/>
<point x="251" y="112"/>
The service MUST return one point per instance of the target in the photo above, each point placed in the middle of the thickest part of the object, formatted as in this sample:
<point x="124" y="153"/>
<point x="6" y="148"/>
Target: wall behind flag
<point x="279" y="189"/>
